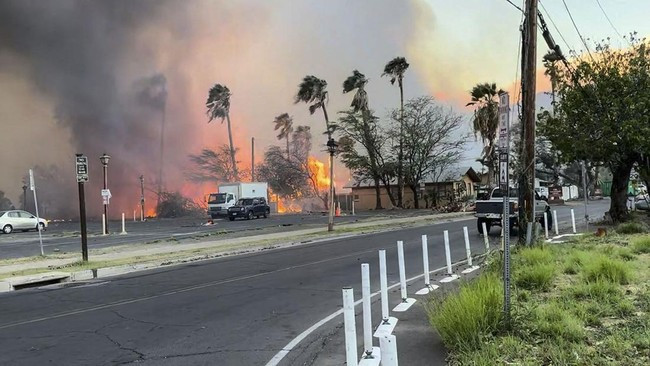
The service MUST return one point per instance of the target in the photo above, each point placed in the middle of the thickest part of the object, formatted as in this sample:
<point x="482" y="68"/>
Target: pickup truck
<point x="489" y="211"/>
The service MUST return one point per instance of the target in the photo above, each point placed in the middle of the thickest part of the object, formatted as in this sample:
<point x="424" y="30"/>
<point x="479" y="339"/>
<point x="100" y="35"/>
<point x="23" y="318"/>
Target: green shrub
<point x="631" y="228"/>
<point x="626" y="254"/>
<point x="554" y="322"/>
<point x="464" y="318"/>
<point x="535" y="277"/>
<point x="534" y="255"/>
<point x="603" y="268"/>
<point x="599" y="290"/>
<point x="641" y="245"/>
<point x="574" y="262"/>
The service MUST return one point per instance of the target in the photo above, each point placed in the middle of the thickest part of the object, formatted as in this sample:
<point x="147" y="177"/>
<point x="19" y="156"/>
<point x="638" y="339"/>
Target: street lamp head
<point x="332" y="145"/>
<point x="104" y="159"/>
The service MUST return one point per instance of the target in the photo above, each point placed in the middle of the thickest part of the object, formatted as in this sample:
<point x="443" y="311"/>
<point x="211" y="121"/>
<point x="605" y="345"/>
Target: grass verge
<point x="582" y="303"/>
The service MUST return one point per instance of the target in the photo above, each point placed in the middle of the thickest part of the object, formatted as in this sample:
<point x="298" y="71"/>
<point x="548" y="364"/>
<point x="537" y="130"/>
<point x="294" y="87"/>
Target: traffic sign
<point x="106" y="196"/>
<point x="82" y="168"/>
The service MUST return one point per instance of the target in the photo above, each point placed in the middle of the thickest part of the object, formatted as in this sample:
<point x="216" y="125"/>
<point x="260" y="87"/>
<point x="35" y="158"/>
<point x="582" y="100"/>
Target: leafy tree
<point x="357" y="81"/>
<point x="218" y="105"/>
<point x="5" y="203"/>
<point x="602" y="114"/>
<point x="432" y="142"/>
<point x="395" y="69"/>
<point x="313" y="91"/>
<point x="366" y="133"/>
<point x="284" y="123"/>
<point x="485" y="122"/>
<point x="214" y="165"/>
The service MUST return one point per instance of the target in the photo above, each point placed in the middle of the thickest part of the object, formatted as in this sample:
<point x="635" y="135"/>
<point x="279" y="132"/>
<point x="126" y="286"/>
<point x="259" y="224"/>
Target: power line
<point x="577" y="30"/>
<point x="548" y="15"/>
<point x="608" y="20"/>
<point x="516" y="6"/>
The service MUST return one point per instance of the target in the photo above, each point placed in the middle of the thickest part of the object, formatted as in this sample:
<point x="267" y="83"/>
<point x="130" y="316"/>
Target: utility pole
<point x="252" y="159"/>
<point x="141" y="198"/>
<point x="529" y="63"/>
<point x="24" y="196"/>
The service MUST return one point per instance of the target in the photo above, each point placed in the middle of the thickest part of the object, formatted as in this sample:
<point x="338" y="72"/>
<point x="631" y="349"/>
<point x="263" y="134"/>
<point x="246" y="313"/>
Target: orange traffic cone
<point x="338" y="210"/>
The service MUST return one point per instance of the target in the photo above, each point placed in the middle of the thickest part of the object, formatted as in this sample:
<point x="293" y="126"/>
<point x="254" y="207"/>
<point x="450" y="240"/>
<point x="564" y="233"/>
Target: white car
<point x="19" y="220"/>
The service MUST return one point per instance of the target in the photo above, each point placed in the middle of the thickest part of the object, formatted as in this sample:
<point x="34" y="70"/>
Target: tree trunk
<point x="400" y="157"/>
<point x="389" y="193"/>
<point x="233" y="161"/>
<point x="621" y="178"/>
<point x="416" y="200"/>
<point x="377" y="194"/>
<point x="288" y="154"/>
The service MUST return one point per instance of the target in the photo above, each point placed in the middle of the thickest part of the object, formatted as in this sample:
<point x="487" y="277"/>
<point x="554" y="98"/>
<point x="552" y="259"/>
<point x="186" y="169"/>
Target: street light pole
<point x="24" y="197"/>
<point x="104" y="159"/>
<point x="142" y="198"/>
<point x="331" y="148"/>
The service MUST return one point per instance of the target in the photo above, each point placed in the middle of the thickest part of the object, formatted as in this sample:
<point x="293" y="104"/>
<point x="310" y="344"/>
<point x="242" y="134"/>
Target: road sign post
<point x="32" y="187"/>
<point x="504" y="182"/>
<point x="82" y="177"/>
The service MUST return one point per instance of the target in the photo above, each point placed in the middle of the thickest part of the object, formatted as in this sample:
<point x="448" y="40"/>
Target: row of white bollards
<point x="123" y="225"/>
<point x="386" y="353"/>
<point x="557" y="229"/>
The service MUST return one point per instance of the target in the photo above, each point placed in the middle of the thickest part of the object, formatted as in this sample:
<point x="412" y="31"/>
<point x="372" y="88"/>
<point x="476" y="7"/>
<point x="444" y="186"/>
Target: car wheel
<point x="7" y="229"/>
<point x="250" y="215"/>
<point x="479" y="226"/>
<point x="213" y="216"/>
<point x="550" y="219"/>
<point x="232" y="218"/>
<point x="265" y="214"/>
<point x="42" y="226"/>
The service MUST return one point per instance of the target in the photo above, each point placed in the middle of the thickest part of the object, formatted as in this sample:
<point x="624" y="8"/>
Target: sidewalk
<point x="139" y="256"/>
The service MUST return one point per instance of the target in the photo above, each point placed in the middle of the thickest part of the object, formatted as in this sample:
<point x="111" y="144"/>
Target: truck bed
<point x="493" y="206"/>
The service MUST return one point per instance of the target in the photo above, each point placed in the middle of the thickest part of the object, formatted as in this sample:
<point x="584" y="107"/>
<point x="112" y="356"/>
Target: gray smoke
<point x="75" y="51"/>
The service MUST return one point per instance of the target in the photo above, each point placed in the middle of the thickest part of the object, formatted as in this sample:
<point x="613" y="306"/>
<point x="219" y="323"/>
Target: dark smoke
<point x="76" y="52"/>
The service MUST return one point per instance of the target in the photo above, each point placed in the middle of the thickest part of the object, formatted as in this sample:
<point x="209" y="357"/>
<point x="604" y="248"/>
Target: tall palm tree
<point x="284" y="123"/>
<point x="218" y="105"/>
<point x="357" y="81"/>
<point x="313" y="91"/>
<point x="395" y="69"/>
<point x="485" y="121"/>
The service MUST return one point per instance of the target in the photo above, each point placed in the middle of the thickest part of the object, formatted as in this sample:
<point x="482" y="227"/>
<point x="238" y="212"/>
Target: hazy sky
<point x="260" y="50"/>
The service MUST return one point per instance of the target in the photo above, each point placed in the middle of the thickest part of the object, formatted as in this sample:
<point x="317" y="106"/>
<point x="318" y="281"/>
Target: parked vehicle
<point x="20" y="220"/>
<point x="490" y="211"/>
<point x="248" y="208"/>
<point x="228" y="194"/>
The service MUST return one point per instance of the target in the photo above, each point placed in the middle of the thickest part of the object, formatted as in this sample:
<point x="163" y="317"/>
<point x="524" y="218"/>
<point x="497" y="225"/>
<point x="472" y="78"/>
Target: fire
<point x="151" y="212"/>
<point x="288" y="206"/>
<point x="319" y="174"/>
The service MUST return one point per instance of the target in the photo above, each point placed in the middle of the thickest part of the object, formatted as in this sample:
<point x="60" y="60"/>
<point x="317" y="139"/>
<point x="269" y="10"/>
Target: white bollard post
<point x="485" y="237"/>
<point x="134" y="216"/>
<point x="402" y="269"/>
<point x="388" y="346"/>
<point x="557" y="229"/>
<point x="447" y="253"/>
<point x="546" y="224"/>
<point x="123" y="225"/>
<point x="387" y="322"/>
<point x="573" y="221"/>
<point x="406" y="302"/>
<point x="450" y="274"/>
<point x="367" y="316"/>
<point x="103" y="224"/>
<point x="350" y="327"/>
<point x="352" y="206"/>
<point x="468" y="251"/>
<point x="425" y="265"/>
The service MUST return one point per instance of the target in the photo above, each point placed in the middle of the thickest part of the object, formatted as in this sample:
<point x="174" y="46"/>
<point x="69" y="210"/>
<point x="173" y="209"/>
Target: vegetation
<point x="485" y="122"/>
<point x="174" y="204"/>
<point x="395" y="69"/>
<point x="214" y="165"/>
<point x="218" y="105"/>
<point x="601" y="115"/>
<point x="5" y="203"/>
<point x="284" y="123"/>
<point x="592" y="312"/>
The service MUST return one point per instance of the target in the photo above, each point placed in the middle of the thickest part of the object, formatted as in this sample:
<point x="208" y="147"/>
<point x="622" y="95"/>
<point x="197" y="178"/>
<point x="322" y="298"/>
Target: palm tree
<point x="313" y="91"/>
<point x="396" y="68"/>
<point x="284" y="123"/>
<point x="357" y="81"/>
<point x="485" y="121"/>
<point x="218" y="105"/>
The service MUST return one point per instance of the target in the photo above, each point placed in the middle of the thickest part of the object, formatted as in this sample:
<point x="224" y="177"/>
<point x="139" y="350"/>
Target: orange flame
<point x="319" y="174"/>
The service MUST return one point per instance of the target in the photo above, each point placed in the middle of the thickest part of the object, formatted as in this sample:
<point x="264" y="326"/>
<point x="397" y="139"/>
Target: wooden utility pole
<point x="529" y="64"/>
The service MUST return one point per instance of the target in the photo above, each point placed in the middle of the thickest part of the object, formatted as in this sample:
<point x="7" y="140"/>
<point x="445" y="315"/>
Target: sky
<point x="70" y="71"/>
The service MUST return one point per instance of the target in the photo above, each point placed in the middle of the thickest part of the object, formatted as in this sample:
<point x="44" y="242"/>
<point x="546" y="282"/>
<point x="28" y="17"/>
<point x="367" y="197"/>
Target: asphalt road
<point x="238" y="310"/>
<point x="64" y="237"/>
